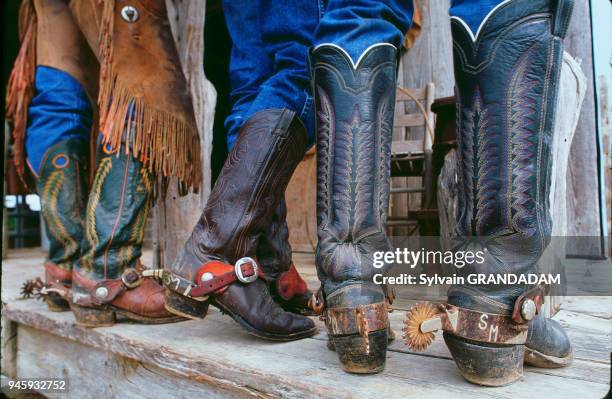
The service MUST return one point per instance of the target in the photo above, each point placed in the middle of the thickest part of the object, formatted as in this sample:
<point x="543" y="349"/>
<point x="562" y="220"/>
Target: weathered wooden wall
<point x="429" y="60"/>
<point x="174" y="216"/>
<point x="431" y="57"/>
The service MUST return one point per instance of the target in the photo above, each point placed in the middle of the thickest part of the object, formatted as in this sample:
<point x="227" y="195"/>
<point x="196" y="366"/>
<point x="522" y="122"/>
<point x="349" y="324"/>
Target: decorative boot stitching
<point x="126" y="252"/>
<point x="484" y="162"/>
<point x="521" y="112"/>
<point x="124" y="183"/>
<point x="93" y="240"/>
<point x="50" y="197"/>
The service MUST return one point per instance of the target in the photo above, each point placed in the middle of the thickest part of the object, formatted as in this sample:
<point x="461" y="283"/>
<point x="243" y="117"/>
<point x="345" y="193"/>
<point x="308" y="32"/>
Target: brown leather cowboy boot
<point x="286" y="285"/>
<point x="108" y="281"/>
<point x="354" y="107"/>
<point x="216" y="265"/>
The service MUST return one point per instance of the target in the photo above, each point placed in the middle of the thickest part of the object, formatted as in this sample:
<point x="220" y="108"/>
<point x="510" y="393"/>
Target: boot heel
<point x="357" y="357"/>
<point x="56" y="303"/>
<point x="183" y="306"/>
<point x="91" y="317"/>
<point x="492" y="366"/>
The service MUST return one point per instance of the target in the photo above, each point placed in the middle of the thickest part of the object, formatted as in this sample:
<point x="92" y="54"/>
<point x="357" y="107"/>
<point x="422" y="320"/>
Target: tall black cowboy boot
<point x="354" y="107"/>
<point x="216" y="266"/>
<point x="507" y="81"/>
<point x="108" y="281"/>
<point x="62" y="188"/>
<point x="286" y="285"/>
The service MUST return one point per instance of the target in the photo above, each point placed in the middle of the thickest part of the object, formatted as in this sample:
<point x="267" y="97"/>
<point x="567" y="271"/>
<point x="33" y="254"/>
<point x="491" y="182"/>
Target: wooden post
<point x="583" y="177"/>
<point x="601" y="14"/>
<point x="431" y="57"/>
<point x="5" y="236"/>
<point x="174" y="216"/>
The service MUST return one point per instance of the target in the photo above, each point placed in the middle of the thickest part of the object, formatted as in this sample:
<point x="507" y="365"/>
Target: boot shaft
<point x="354" y="106"/>
<point x="273" y="250"/>
<point x="117" y="211"/>
<point x="507" y="80"/>
<point x="62" y="188"/>
<point x="506" y="84"/>
<point x="247" y="192"/>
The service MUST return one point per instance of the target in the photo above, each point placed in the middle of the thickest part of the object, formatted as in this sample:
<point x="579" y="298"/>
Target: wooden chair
<point x="411" y="157"/>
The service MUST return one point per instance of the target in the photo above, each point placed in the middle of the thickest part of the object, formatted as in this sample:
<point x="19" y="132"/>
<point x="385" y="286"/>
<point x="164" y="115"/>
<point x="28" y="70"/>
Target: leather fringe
<point x="20" y="88"/>
<point x="165" y="144"/>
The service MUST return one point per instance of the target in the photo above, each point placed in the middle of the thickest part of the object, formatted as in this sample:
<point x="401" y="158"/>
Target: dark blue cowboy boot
<point x="62" y="187"/>
<point x="507" y="81"/>
<point x="354" y="106"/>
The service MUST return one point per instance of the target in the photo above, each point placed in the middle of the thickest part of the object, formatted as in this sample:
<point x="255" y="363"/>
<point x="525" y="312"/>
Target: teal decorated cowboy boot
<point x="108" y="280"/>
<point x="62" y="188"/>
<point x="507" y="79"/>
<point x="354" y="105"/>
<point x="285" y="284"/>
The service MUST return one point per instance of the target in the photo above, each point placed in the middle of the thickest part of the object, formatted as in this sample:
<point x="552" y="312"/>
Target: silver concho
<point x="129" y="14"/>
<point x="101" y="292"/>
<point x="206" y="277"/>
<point x="528" y="310"/>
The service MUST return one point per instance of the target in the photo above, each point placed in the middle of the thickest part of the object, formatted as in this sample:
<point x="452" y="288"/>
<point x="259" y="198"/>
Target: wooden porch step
<point x="215" y="358"/>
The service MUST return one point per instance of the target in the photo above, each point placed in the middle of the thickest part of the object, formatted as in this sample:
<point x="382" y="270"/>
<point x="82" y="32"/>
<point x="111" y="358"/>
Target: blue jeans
<point x="472" y="12"/>
<point x="60" y="110"/>
<point x="269" y="58"/>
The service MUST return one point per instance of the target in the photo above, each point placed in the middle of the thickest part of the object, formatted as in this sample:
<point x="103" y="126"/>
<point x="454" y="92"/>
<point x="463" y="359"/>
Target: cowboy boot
<point x="354" y="107"/>
<point x="216" y="266"/>
<point x="108" y="281"/>
<point x="62" y="189"/>
<point x="285" y="284"/>
<point x="507" y="80"/>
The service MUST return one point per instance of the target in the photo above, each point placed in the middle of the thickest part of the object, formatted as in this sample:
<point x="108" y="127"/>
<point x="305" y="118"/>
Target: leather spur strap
<point x="290" y="284"/>
<point x="489" y="327"/>
<point x="213" y="278"/>
<point x="106" y="291"/>
<point x="360" y="320"/>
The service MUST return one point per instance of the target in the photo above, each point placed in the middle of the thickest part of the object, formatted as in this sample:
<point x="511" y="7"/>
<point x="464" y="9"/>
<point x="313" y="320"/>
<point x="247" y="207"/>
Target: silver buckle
<point x="238" y="270"/>
<point x="131" y="284"/>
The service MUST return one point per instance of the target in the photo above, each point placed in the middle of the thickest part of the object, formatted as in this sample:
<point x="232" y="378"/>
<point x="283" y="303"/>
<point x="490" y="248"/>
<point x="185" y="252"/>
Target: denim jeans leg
<point x="250" y="64"/>
<point x="60" y="110"/>
<point x="268" y="66"/>
<point x="472" y="12"/>
<point x="287" y="29"/>
<point x="359" y="24"/>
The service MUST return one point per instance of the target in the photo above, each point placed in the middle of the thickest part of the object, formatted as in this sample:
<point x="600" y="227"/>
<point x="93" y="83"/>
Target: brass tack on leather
<point x="207" y="276"/>
<point x="129" y="14"/>
<point x="101" y="292"/>
<point x="528" y="310"/>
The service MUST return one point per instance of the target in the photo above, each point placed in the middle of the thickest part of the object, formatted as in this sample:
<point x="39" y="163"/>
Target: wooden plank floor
<point x="217" y="357"/>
